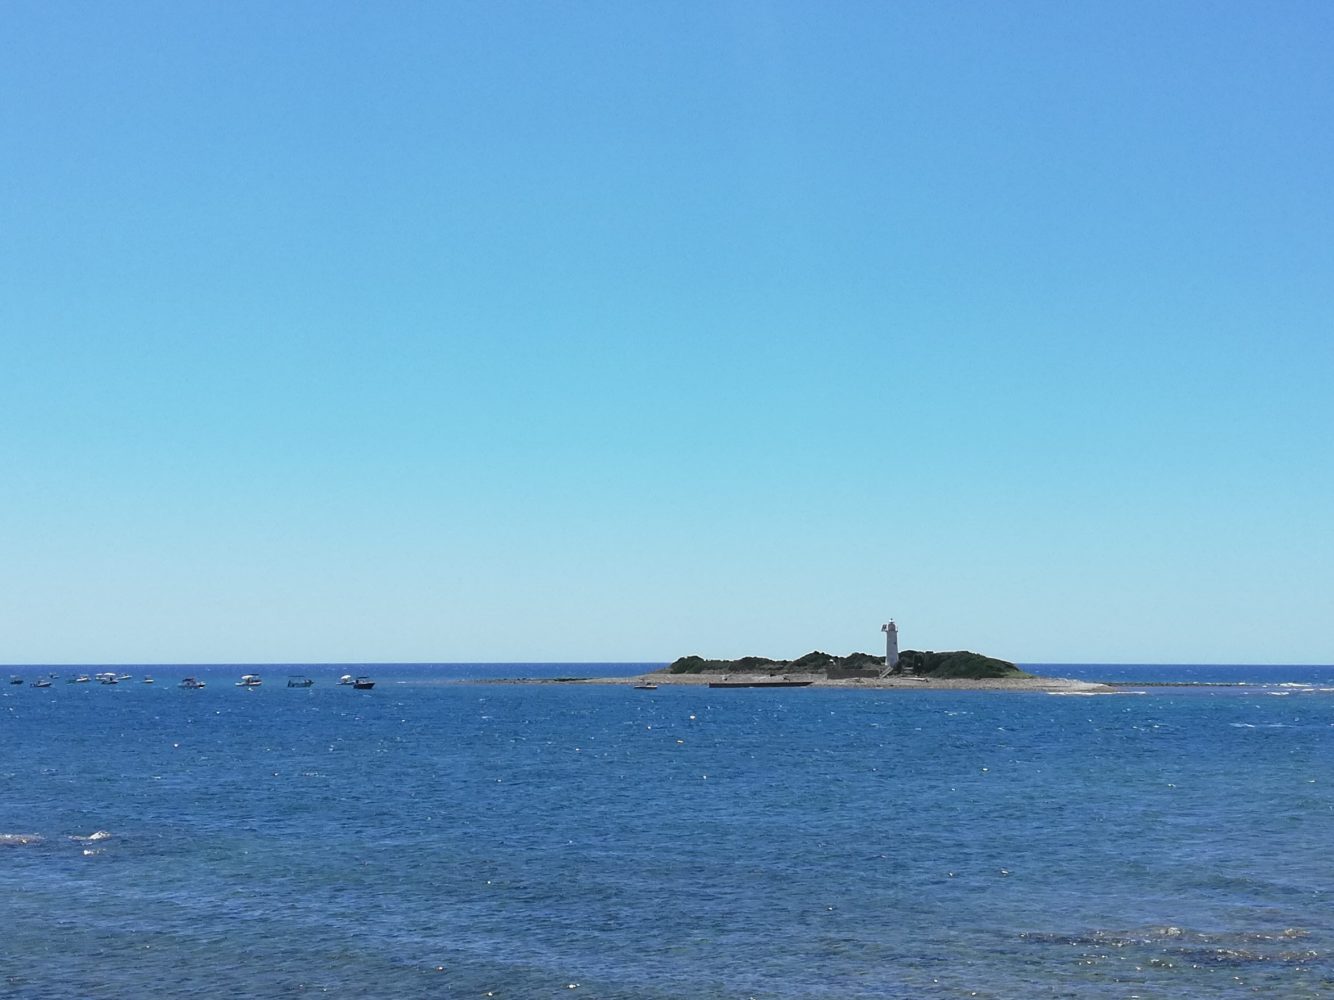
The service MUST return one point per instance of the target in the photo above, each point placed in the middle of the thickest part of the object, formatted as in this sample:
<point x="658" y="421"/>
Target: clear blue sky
<point x="506" y="331"/>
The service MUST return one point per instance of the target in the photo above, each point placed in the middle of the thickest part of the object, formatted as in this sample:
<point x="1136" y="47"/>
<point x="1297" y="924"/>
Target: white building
<point x="891" y="645"/>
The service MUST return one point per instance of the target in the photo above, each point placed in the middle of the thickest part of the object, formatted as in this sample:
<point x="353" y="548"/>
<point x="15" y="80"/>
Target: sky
<point x="618" y="331"/>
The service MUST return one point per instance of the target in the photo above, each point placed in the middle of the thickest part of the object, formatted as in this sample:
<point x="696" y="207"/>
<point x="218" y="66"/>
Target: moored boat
<point x="646" y="686"/>
<point x="15" y="679"/>
<point x="249" y="681"/>
<point x="300" y="682"/>
<point x="42" y="682"/>
<point x="363" y="683"/>
<point x="192" y="683"/>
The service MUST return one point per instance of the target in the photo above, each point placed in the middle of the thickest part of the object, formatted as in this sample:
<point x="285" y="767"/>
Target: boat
<point x="300" y="682"/>
<point x="106" y="677"/>
<point x="192" y="683"/>
<point x="79" y="679"/>
<point x="148" y="678"/>
<point x="760" y="684"/>
<point x="249" y="681"/>
<point x="15" y="679"/>
<point x="646" y="686"/>
<point x="346" y="679"/>
<point x="363" y="683"/>
<point x="42" y="682"/>
<point x="124" y="677"/>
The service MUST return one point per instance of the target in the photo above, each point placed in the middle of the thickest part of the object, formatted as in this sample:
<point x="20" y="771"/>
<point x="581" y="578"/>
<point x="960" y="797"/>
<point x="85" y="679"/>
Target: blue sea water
<point x="439" y="839"/>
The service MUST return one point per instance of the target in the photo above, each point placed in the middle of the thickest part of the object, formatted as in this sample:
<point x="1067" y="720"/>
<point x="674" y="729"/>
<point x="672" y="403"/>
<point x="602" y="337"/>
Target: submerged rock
<point x="20" y="839"/>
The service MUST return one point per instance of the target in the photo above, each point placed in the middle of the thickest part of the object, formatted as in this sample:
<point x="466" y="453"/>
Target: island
<point x="958" y="670"/>
<point x="960" y="664"/>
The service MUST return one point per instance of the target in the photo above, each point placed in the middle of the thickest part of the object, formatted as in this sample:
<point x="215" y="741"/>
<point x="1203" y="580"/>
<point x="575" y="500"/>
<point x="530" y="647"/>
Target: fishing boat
<point x="300" y="682"/>
<point x="363" y="683"/>
<point x="192" y="683"/>
<point x="249" y="681"/>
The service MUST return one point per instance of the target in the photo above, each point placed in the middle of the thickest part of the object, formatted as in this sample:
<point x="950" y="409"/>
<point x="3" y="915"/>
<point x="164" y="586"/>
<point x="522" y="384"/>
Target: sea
<point x="438" y="837"/>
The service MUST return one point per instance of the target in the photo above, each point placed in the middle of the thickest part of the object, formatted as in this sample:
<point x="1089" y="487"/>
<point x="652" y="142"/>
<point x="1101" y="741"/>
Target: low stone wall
<point x="848" y="673"/>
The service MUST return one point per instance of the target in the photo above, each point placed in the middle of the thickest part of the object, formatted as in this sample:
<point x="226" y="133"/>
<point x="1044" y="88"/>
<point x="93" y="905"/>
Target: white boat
<point x="346" y="679"/>
<point x="148" y="678"/>
<point x="124" y="677"/>
<point x="106" y="677"/>
<point x="80" y="679"/>
<point x="249" y="681"/>
<point x="42" y="682"/>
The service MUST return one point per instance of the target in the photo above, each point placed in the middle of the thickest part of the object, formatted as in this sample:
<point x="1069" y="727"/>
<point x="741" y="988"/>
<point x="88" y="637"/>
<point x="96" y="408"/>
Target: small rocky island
<point x="957" y="665"/>
<point x="960" y="670"/>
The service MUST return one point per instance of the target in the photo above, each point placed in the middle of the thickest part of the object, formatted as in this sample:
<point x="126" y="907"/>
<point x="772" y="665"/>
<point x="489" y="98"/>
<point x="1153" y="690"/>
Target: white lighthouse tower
<point x="891" y="645"/>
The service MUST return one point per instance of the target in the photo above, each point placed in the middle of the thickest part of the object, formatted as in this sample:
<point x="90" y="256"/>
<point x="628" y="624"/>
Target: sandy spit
<point x="1048" y="685"/>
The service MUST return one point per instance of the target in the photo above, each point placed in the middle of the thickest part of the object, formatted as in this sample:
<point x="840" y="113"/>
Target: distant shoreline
<point x="1041" y="685"/>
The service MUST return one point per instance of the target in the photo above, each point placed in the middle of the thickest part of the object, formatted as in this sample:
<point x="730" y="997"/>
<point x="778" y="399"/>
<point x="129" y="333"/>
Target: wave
<point x="31" y="839"/>
<point x="92" y="838"/>
<point x="1227" y="949"/>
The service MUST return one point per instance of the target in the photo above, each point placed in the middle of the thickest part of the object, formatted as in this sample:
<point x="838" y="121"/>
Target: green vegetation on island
<point x="960" y="664"/>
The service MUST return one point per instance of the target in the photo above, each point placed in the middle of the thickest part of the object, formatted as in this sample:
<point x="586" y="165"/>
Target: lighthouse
<point x="891" y="645"/>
